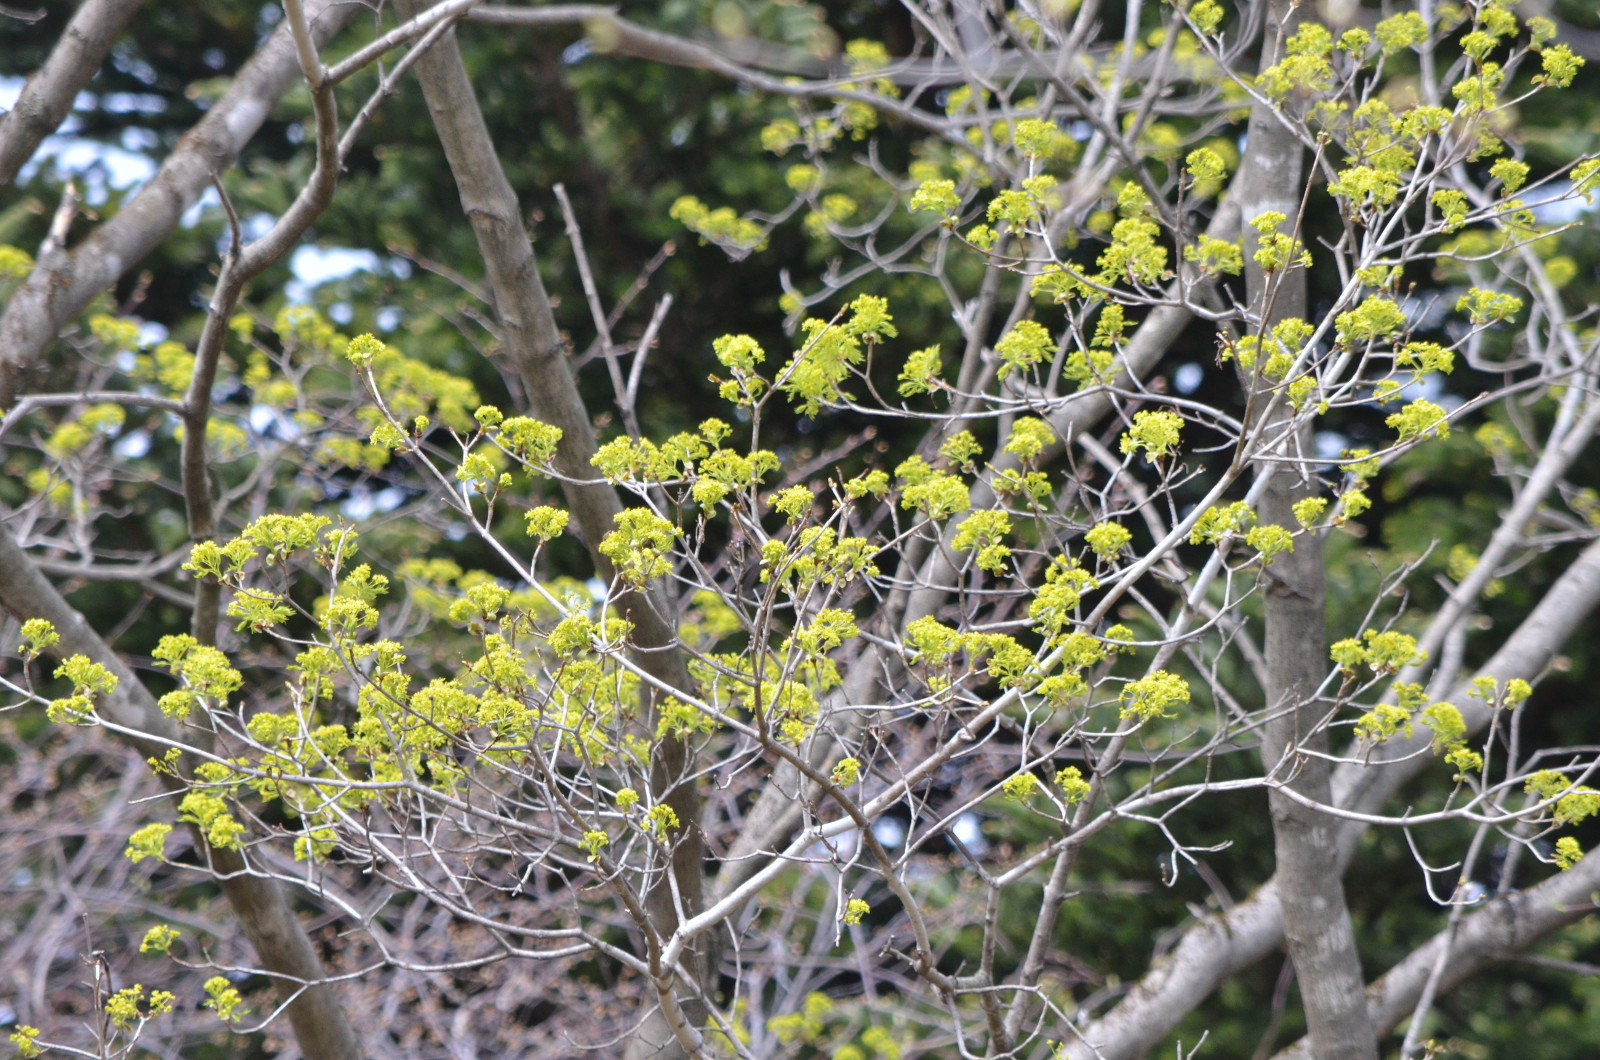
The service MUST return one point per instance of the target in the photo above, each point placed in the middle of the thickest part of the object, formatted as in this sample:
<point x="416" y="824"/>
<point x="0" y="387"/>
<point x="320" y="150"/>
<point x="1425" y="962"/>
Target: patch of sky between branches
<point x="103" y="168"/>
<point x="100" y="168"/>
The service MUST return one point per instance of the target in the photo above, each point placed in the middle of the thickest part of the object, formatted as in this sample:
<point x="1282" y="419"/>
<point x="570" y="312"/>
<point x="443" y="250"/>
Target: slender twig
<point x="646" y="341"/>
<point x="443" y="14"/>
<point x="602" y="326"/>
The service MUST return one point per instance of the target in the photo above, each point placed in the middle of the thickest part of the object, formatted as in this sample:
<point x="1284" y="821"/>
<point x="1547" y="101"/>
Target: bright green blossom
<point x="1024" y="346"/>
<point x="1107" y="539"/>
<point x="223" y="999"/>
<point x="1156" y="433"/>
<point x="1152" y="696"/>
<point x="1021" y="787"/>
<point x="1074" y="788"/>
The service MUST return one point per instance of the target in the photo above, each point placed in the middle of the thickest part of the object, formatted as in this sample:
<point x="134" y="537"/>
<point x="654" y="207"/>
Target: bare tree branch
<point x="539" y="356"/>
<point x="1497" y="932"/>
<point x="1225" y="944"/>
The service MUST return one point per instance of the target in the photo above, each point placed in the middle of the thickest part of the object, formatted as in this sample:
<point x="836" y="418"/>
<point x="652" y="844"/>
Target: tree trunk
<point x="1316" y="919"/>
<point x="533" y="341"/>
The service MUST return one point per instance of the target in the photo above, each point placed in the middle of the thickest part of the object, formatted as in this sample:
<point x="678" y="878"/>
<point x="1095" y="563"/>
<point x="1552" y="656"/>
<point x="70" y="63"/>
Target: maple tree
<point x="506" y="669"/>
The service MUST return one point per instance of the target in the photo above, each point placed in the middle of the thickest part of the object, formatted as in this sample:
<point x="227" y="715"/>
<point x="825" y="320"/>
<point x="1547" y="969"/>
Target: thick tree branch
<point x="402" y="34"/>
<point x="1225" y="944"/>
<point x="1524" y="654"/>
<point x="533" y="343"/>
<point x="1567" y="443"/>
<point x="47" y="98"/>
<point x="613" y="35"/>
<point x="1316" y="917"/>
<point x="1500" y="930"/>
<point x="56" y="293"/>
<point x="240" y="265"/>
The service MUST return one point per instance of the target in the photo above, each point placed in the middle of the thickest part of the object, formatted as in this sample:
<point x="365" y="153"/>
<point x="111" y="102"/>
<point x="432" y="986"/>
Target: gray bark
<point x="1225" y="944"/>
<point x="1502" y="929"/>
<point x="240" y="265"/>
<point x="60" y="288"/>
<point x="1316" y="919"/>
